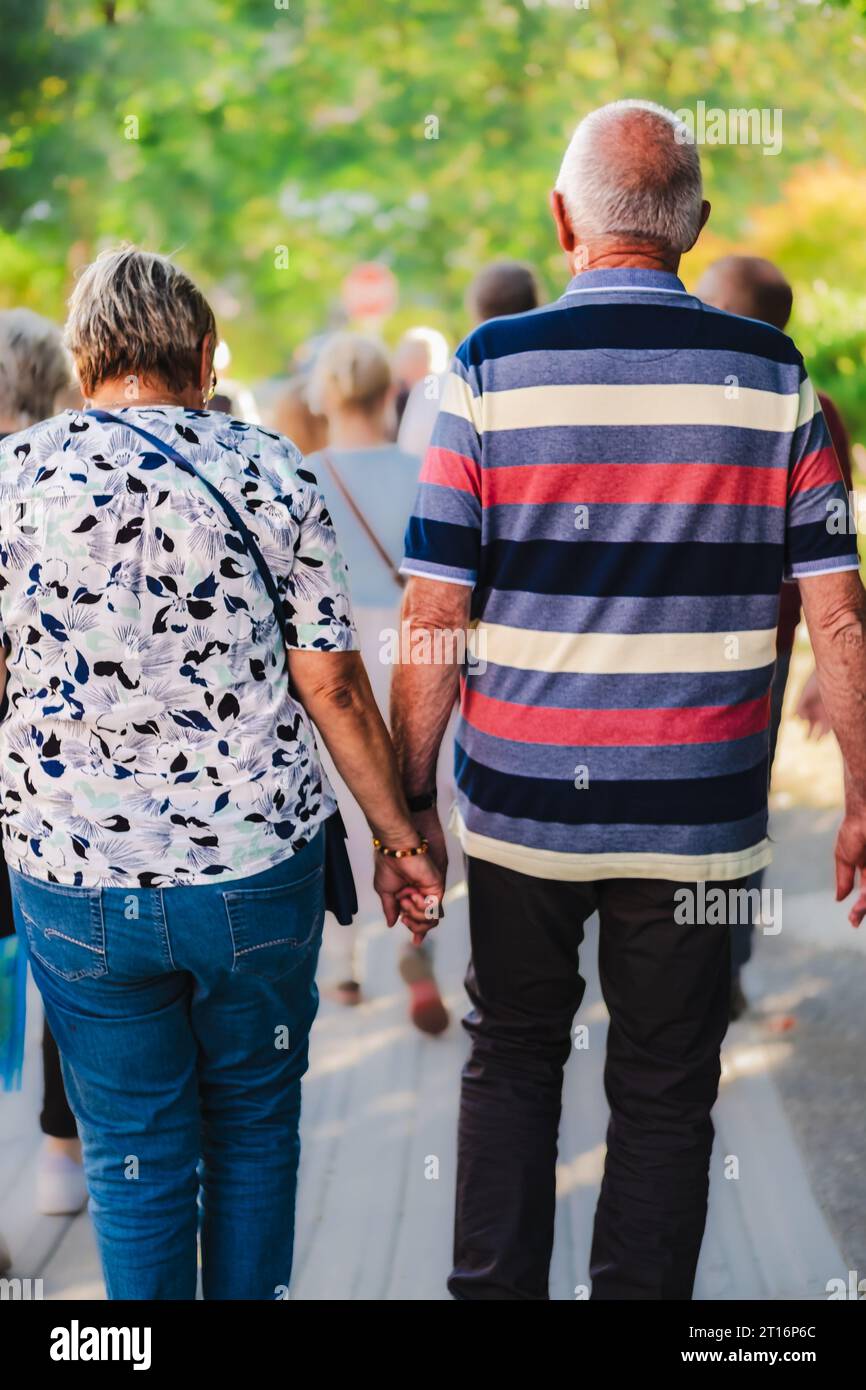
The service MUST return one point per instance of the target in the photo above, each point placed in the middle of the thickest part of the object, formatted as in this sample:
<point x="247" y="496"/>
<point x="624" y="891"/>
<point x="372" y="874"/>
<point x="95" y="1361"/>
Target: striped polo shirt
<point x="624" y="478"/>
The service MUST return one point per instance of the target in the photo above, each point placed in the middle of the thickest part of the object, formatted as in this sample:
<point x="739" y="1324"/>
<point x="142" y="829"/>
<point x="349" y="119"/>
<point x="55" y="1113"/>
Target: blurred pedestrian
<point x="419" y="353"/>
<point x="369" y="486"/>
<point x="35" y="372"/>
<point x="290" y="414"/>
<point x="756" y="289"/>
<point x="504" y="287"/>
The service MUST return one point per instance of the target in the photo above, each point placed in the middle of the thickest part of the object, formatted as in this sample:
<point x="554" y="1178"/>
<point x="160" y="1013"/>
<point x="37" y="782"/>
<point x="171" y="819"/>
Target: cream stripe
<point x="457" y="399"/>
<point x="584" y="868"/>
<point x="529" y="407"/>
<point x="626" y="654"/>
<point x="809" y="406"/>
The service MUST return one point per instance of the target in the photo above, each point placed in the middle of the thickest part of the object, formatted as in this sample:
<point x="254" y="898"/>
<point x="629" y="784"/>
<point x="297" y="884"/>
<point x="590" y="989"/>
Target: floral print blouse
<point x="150" y="738"/>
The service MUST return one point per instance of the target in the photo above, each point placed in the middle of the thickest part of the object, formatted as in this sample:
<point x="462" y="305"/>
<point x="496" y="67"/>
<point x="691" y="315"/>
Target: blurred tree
<point x="271" y="144"/>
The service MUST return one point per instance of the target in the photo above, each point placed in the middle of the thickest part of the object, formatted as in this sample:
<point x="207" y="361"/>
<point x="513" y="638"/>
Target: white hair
<point x="34" y="367"/>
<point x="610" y="187"/>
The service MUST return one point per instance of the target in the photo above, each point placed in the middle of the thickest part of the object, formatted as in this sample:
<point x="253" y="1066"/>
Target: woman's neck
<point x="115" y="394"/>
<point x="351" y="429"/>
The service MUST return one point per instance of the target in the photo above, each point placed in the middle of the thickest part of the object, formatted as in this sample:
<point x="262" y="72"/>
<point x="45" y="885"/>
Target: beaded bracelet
<point x="400" y="853"/>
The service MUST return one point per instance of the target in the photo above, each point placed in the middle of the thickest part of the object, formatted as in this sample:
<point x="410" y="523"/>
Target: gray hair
<point x="34" y="367"/>
<point x="134" y="313"/>
<point x="615" y="185"/>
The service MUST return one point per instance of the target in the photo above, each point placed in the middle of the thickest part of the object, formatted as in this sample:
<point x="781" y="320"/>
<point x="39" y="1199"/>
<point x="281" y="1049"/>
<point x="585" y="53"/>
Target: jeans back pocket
<point x="64" y="926"/>
<point x="273" y="930"/>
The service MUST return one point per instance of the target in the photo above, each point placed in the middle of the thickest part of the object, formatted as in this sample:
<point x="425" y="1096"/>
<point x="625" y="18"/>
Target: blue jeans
<point x="182" y="1017"/>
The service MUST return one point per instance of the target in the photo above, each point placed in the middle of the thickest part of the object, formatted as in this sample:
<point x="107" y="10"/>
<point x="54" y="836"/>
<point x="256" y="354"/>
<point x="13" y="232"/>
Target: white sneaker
<point x="60" y="1186"/>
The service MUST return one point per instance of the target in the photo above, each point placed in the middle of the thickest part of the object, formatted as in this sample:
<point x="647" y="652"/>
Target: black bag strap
<point x="341" y="897"/>
<point x="235" y="519"/>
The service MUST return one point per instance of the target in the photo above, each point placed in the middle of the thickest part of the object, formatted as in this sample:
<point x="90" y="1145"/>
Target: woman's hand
<point x="411" y="889"/>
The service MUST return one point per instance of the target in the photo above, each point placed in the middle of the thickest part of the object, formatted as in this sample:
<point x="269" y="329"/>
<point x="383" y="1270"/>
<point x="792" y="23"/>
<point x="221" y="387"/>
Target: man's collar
<point x="626" y="278"/>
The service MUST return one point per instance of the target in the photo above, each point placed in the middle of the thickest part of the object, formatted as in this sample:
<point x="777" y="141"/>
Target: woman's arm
<point x="334" y="689"/>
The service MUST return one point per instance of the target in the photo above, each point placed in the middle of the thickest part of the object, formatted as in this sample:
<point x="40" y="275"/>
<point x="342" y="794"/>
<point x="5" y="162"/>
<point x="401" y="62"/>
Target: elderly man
<point x="615" y="487"/>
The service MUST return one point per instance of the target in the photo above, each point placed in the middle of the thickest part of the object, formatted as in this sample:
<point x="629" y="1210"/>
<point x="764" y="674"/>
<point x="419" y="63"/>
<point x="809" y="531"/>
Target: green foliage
<point x="221" y="130"/>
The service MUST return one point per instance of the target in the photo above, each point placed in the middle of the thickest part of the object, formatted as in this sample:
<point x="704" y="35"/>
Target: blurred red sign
<point x="370" y="291"/>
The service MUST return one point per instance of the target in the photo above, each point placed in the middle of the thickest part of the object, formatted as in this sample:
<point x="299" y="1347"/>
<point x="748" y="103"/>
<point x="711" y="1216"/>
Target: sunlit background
<point x="273" y="145"/>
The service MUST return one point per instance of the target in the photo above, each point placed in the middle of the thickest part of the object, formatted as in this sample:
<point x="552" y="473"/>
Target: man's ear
<point x="567" y="239"/>
<point x="705" y="213"/>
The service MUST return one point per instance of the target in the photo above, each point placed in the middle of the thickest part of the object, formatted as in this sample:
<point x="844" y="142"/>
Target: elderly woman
<point x="164" y="802"/>
<point x="34" y="373"/>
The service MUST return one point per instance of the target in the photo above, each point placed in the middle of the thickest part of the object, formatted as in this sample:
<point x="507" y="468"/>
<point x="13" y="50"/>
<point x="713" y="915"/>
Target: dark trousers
<point x="667" y="990"/>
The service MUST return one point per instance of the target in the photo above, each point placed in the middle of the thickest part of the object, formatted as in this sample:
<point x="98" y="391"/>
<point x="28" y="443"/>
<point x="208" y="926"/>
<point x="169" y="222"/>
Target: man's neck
<point x="623" y="255"/>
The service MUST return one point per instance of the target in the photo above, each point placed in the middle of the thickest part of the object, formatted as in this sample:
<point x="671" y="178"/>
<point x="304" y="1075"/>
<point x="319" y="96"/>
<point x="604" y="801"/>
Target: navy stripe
<point x="686" y="801"/>
<point x="454" y="546"/>
<point x="648" y="326"/>
<point x="556" y="567"/>
<point x="815" y="541"/>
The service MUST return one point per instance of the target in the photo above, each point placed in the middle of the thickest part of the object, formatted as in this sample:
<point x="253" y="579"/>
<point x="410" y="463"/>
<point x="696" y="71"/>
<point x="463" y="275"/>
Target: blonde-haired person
<point x="164" y="801"/>
<point x="290" y="414"/>
<point x="369" y="486"/>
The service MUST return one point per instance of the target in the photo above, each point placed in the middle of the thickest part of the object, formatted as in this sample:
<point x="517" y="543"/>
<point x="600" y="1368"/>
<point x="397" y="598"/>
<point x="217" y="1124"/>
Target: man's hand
<point x="851" y="856"/>
<point x="411" y="889"/>
<point x="811" y="708"/>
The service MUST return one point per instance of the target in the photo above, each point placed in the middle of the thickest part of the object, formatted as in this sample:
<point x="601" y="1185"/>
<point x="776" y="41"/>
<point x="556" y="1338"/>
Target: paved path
<point x="375" y="1200"/>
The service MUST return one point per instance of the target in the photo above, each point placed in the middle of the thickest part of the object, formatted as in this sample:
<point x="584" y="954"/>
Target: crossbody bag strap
<point x="398" y="578"/>
<point x="233" y="515"/>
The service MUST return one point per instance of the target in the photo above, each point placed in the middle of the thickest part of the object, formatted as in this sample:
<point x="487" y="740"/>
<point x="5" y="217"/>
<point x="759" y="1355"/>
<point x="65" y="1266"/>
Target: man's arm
<point x="423" y="692"/>
<point x="834" y="606"/>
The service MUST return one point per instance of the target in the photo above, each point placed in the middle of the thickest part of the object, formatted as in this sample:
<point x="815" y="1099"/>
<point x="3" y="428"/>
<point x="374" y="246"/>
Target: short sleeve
<point x="819" y="534"/>
<point x="443" y="538"/>
<point x="314" y="586"/>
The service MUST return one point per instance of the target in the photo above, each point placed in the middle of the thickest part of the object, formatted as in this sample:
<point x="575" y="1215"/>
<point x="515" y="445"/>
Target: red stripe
<point x="817" y="469"/>
<point x="629" y="482"/>
<point x="448" y="469"/>
<point x="613" y="728"/>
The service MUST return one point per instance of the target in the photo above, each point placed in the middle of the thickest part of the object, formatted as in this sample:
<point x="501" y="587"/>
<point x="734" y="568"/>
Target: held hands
<point x="411" y="889"/>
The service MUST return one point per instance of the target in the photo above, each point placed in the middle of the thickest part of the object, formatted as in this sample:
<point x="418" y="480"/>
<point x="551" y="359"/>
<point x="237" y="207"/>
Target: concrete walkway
<point x="375" y="1200"/>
